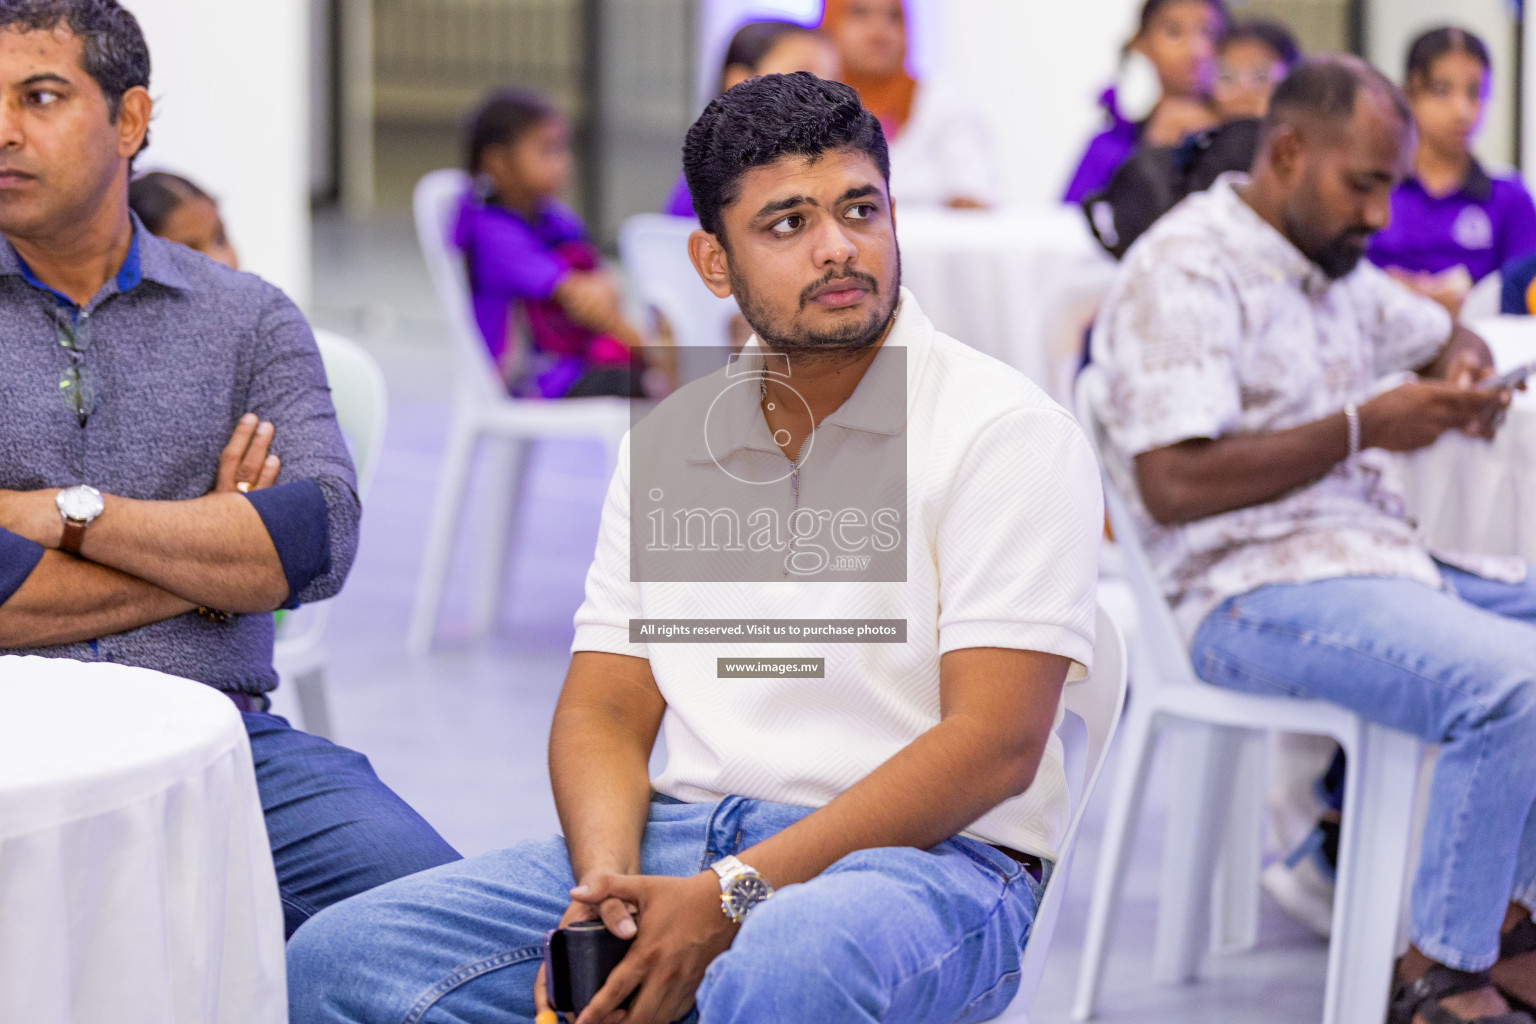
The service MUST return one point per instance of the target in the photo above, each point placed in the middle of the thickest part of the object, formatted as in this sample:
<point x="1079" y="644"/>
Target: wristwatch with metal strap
<point x="741" y="888"/>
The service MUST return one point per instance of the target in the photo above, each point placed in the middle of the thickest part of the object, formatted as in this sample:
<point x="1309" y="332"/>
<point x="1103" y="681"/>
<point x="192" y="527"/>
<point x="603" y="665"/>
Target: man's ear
<point x="1285" y="153"/>
<point x="711" y="261"/>
<point x="133" y="114"/>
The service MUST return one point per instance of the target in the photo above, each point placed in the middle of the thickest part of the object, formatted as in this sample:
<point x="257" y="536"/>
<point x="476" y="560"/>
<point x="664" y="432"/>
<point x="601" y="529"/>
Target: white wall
<point x="230" y="82"/>
<point x="1392" y="24"/>
<point x="1038" y="66"/>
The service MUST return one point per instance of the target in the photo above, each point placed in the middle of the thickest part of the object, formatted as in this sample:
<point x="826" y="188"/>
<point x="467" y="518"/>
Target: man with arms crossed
<point x="1242" y="344"/>
<point x="904" y="808"/>
<point x="143" y="388"/>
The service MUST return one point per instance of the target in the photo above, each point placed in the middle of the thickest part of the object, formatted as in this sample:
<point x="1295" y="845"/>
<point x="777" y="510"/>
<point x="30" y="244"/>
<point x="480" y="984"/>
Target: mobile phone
<point x="577" y="961"/>
<point x="1512" y="378"/>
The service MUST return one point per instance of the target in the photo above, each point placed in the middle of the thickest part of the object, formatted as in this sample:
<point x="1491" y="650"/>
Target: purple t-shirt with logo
<point x="1483" y="225"/>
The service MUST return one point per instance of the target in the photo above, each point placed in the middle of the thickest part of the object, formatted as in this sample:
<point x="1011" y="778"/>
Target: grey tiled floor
<point x="461" y="733"/>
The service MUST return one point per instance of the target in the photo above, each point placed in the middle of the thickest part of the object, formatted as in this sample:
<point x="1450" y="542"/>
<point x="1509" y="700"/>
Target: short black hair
<point x="1430" y="46"/>
<point x="158" y="194"/>
<point x="763" y="119"/>
<point x="1151" y="8"/>
<point x="1268" y="33"/>
<point x="115" y="53"/>
<point x="1325" y="89"/>
<point x="502" y="118"/>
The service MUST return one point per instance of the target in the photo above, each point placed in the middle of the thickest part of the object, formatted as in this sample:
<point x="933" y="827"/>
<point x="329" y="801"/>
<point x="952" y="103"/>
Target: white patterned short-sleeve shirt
<point x="1218" y="325"/>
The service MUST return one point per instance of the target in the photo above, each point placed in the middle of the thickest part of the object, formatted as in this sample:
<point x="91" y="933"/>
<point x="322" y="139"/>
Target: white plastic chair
<point x="483" y="412"/>
<point x="1093" y="708"/>
<point x="362" y="406"/>
<point x="1215" y="730"/>
<point x="654" y="250"/>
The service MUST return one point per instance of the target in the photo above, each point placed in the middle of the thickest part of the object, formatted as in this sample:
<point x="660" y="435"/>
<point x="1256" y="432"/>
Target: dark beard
<point x="846" y="341"/>
<point x="1338" y="257"/>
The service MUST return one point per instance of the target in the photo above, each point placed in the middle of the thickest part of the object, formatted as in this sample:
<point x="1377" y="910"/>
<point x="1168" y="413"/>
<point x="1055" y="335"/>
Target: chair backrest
<point x="1093" y="708"/>
<point x="361" y="399"/>
<point x="437" y="199"/>
<point x="654" y="250"/>
<point x="1160" y="637"/>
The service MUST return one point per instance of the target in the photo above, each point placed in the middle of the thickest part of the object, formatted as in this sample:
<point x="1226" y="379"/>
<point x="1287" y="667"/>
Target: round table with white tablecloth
<point x="1020" y="284"/>
<point x="1480" y="496"/>
<point x="136" y="883"/>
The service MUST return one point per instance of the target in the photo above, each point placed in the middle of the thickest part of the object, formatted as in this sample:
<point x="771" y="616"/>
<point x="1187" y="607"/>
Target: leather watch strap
<point x="74" y="536"/>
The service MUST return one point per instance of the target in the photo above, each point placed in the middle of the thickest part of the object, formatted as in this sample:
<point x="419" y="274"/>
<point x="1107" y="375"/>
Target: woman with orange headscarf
<point x="942" y="152"/>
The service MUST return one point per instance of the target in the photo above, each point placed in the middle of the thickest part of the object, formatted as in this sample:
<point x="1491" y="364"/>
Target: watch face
<point x="81" y="503"/>
<point x="747" y="891"/>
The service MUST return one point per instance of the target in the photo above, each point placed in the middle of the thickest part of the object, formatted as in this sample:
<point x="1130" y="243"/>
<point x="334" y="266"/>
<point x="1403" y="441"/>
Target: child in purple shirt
<point x="1452" y="222"/>
<point x="528" y="257"/>
<point x="1177" y="39"/>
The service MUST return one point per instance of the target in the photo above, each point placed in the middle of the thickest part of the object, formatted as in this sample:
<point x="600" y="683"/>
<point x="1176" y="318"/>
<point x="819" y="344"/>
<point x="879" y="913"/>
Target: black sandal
<point x="1422" y="998"/>
<point x="1519" y="939"/>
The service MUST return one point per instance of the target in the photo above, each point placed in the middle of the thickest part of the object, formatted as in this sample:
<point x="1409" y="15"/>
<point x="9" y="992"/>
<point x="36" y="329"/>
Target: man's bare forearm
<point x="69" y="600"/>
<point x="212" y="551"/>
<point x="938" y="784"/>
<point x="1200" y="478"/>
<point x="599" y="760"/>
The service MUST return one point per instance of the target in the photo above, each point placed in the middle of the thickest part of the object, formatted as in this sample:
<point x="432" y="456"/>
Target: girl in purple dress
<point x="529" y="260"/>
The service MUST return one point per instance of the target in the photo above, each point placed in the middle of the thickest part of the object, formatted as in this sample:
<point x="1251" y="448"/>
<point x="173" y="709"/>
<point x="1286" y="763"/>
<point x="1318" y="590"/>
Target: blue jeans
<point x="1454" y="669"/>
<point x="335" y="829"/>
<point x="891" y="934"/>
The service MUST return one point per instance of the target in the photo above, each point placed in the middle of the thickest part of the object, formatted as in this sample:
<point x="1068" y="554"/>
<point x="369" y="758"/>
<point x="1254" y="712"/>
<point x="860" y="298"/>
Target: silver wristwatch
<point x="741" y="888"/>
<point x="79" y="506"/>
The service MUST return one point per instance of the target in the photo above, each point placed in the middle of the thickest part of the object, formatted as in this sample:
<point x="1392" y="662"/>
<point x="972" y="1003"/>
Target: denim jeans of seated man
<point x="335" y="829"/>
<point x="891" y="934"/>
<point x="1457" y="669"/>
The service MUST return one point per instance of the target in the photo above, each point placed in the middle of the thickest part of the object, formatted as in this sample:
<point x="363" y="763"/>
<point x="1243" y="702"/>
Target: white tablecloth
<point x="1020" y="284"/>
<point x="136" y="883"/>
<point x="1480" y="496"/>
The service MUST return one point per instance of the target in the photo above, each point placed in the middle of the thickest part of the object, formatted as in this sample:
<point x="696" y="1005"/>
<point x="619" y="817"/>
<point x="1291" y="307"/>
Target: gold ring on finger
<point x="242" y="486"/>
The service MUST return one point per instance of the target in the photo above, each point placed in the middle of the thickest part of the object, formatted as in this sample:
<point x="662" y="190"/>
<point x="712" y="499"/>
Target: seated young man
<point x="904" y="804"/>
<point x="171" y="470"/>
<point x="1243" y="344"/>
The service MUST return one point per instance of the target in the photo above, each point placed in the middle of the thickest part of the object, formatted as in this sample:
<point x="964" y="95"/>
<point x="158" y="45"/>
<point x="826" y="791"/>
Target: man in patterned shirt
<point x="1243" y="347"/>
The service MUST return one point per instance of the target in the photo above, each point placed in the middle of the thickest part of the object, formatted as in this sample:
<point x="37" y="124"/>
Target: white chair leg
<point x="445" y="519"/>
<point x="1138" y="744"/>
<point x="505" y="466"/>
<point x="1200" y="797"/>
<point x="1379" y="787"/>
<point x="1235" y="920"/>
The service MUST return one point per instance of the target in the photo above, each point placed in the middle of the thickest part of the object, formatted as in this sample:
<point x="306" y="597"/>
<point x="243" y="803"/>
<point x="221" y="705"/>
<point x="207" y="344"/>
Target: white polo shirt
<point x="1003" y="518"/>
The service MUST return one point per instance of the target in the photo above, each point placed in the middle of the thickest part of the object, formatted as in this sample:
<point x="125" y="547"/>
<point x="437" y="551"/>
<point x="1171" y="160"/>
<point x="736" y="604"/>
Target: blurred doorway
<point x="405" y="74"/>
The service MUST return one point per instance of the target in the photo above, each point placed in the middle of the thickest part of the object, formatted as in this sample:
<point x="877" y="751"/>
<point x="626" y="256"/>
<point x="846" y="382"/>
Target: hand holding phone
<point x="577" y="961"/>
<point x="1510" y="379"/>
